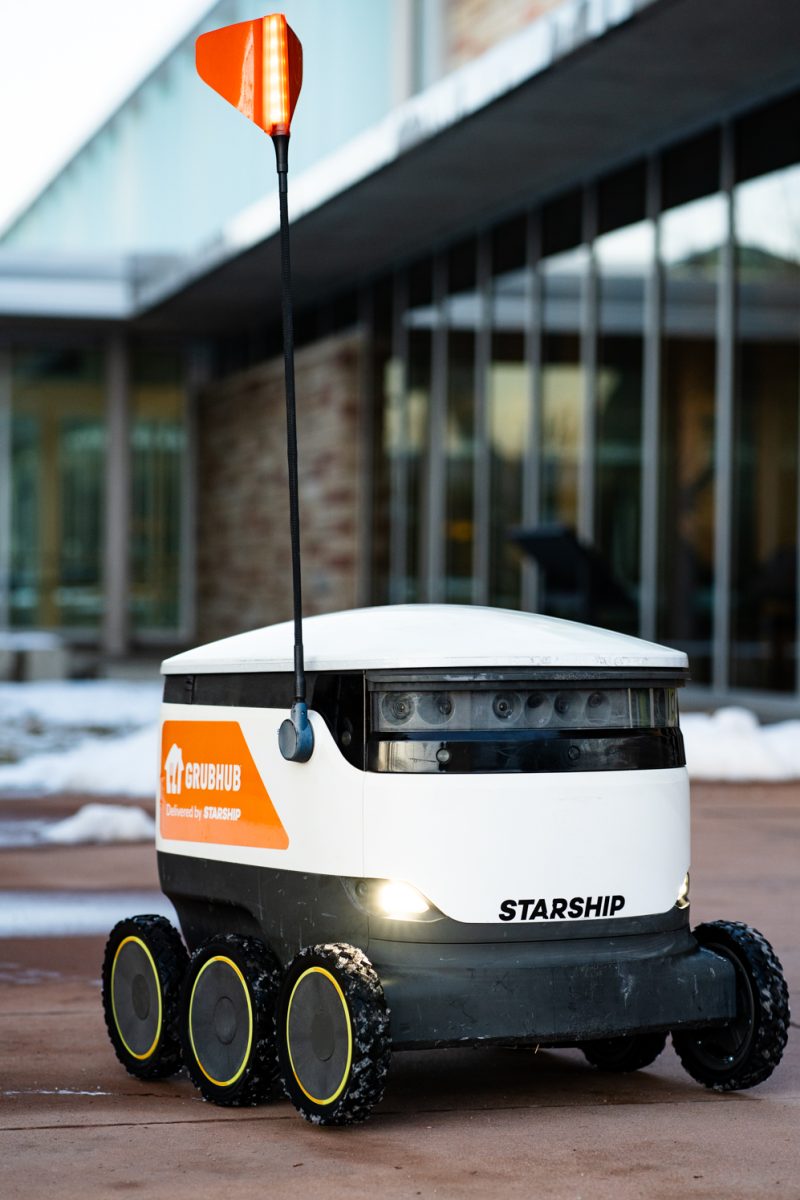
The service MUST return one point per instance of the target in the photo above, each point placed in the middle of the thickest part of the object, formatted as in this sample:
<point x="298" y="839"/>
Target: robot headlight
<point x="400" y="901"/>
<point x="395" y="900"/>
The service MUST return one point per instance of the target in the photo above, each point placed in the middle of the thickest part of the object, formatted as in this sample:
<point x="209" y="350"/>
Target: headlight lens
<point x="400" y="901"/>
<point x="392" y="900"/>
<point x="683" y="894"/>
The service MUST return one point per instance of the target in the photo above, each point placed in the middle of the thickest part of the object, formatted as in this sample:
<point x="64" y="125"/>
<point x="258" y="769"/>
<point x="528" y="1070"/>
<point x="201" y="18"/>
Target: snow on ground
<point x="96" y="766"/>
<point x="82" y="703"/>
<point x="95" y="736"/>
<point x="102" y="823"/>
<point x="38" y="718"/>
<point x="731" y="745"/>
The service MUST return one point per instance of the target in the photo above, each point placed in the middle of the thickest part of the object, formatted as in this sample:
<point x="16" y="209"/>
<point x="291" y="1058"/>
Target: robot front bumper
<point x="554" y="991"/>
<point x="451" y="983"/>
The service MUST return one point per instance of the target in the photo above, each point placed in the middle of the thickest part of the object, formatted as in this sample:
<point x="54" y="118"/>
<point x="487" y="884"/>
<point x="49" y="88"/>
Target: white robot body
<point x="491" y="846"/>
<point x="468" y="843"/>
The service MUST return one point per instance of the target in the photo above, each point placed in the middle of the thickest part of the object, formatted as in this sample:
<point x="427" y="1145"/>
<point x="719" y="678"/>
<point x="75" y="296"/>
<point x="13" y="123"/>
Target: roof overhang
<point x="584" y="88"/>
<point x="37" y="287"/>
<point x="590" y="85"/>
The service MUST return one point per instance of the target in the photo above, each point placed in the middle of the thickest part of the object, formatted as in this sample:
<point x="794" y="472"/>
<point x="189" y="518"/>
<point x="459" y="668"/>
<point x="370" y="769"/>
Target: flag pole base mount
<point x="296" y="735"/>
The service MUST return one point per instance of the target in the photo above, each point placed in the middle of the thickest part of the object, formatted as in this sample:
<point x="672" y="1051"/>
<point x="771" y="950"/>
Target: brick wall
<point x="243" y="551"/>
<point x="473" y="26"/>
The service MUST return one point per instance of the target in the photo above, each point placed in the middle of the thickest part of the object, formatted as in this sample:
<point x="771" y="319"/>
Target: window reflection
<point x="563" y="284"/>
<point x="762" y="518"/>
<point x="691" y="238"/>
<point x="386" y="380"/>
<point x="461" y="312"/>
<point x="764" y="544"/>
<point x="412" y="425"/>
<point x="563" y="288"/>
<point x="507" y="429"/>
<point x="158" y="447"/>
<point x="57" y="488"/>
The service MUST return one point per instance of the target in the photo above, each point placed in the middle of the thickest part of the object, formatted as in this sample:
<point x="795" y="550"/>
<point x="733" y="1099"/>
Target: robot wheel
<point x="333" y="1034"/>
<point x="143" y="969"/>
<point x="747" y="1049"/>
<point x="227" y="1020"/>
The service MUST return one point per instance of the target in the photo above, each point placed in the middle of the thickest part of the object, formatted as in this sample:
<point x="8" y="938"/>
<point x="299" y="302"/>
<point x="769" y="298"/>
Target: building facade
<point x="554" y="291"/>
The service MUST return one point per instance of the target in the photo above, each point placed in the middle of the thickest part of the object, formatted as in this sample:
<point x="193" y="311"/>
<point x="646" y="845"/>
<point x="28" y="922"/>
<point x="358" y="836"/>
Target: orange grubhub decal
<point x="211" y="790"/>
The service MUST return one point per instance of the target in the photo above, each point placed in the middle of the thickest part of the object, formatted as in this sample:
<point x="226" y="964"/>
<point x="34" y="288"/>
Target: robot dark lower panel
<point x="551" y="992"/>
<point x="448" y="983"/>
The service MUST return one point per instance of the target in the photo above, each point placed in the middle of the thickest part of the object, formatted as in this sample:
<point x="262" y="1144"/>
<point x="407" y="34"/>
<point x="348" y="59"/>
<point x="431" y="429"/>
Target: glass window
<point x="508" y="427"/>
<point x="158" y="451"/>
<point x="563" y="285"/>
<point x="624" y="260"/>
<point x="562" y="223"/>
<point x="691" y="239"/>
<point x="57" y="489"/>
<point x="564" y="279"/>
<point x="768" y="138"/>
<point x="691" y="170"/>
<point x="621" y="198"/>
<point x="764" y="525"/>
<point x="508" y="411"/>
<point x="461" y="309"/>
<point x="387" y="395"/>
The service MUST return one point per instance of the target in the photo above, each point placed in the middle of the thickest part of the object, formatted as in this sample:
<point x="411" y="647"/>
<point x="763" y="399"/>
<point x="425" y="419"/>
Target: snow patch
<point x="51" y="1092"/>
<point x="730" y="745"/>
<point x="83" y="703"/>
<point x="102" y="823"/>
<point x="97" y="766"/>
<point x="17" y="833"/>
<point x="74" y="914"/>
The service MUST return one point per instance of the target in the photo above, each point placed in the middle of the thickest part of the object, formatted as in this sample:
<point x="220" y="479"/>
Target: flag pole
<point x="296" y="735"/>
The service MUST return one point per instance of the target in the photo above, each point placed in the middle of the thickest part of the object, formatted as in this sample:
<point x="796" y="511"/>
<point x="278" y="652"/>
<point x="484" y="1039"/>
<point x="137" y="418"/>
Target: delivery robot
<point x="472" y="827"/>
<point x="489" y="844"/>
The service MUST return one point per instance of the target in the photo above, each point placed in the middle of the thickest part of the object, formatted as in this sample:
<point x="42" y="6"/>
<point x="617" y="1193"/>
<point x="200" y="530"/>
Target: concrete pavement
<point x="471" y="1123"/>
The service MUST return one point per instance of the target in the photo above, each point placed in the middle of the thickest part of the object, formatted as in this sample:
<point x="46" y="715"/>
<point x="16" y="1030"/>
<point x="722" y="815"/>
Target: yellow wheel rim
<point x="221" y="958"/>
<point x="321" y="1100"/>
<point x="138" y="942"/>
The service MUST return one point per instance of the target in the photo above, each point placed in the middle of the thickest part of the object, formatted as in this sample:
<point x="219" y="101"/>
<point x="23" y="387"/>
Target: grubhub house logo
<point x="220" y="795"/>
<point x="173" y="770"/>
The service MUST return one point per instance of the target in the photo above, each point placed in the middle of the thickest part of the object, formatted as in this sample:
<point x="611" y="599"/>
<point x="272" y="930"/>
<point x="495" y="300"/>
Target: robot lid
<point x="428" y="636"/>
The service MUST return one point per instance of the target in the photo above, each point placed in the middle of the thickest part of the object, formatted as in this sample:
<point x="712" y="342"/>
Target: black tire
<point x="334" y="1045"/>
<point x="625" y="1053"/>
<point x="143" y="969"/>
<point x="228" y="1021"/>
<point x="745" y="1051"/>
